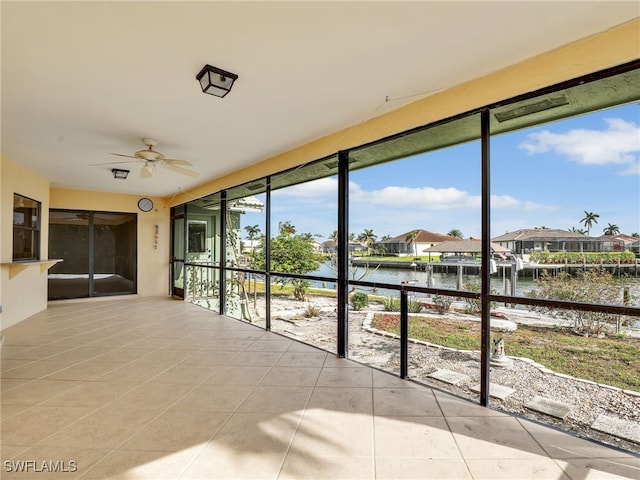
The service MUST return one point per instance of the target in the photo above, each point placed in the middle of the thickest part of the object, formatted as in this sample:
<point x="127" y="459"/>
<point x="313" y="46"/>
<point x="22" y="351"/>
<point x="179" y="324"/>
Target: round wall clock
<point x="145" y="204"/>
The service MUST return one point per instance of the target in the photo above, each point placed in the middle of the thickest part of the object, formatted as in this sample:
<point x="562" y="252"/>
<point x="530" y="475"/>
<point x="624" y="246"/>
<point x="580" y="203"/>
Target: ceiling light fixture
<point x="215" y="81"/>
<point x="119" y="173"/>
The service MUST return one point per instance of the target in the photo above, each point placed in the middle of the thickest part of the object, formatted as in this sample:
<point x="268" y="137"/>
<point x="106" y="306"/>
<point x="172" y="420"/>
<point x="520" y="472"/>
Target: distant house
<point x="466" y="249"/>
<point x="423" y="239"/>
<point x="330" y="247"/>
<point x="617" y="243"/>
<point x="635" y="247"/>
<point x="529" y="240"/>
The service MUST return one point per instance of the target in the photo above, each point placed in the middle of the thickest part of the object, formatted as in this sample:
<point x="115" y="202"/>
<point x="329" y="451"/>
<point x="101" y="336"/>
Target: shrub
<point x="311" y="311"/>
<point x="359" y="300"/>
<point x="391" y="304"/>
<point x="413" y="306"/>
<point x="442" y="303"/>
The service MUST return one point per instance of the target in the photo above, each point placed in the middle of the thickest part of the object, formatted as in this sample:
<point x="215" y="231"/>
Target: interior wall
<point x="22" y="293"/>
<point x="607" y="49"/>
<point x="153" y="253"/>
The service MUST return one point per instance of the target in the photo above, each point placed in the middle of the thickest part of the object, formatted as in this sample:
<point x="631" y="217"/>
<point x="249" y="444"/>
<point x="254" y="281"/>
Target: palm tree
<point x="589" y="219"/>
<point x="253" y="232"/>
<point x="367" y="238"/>
<point x="411" y="236"/>
<point x="454" y="232"/>
<point x="611" y="229"/>
<point x="577" y="230"/>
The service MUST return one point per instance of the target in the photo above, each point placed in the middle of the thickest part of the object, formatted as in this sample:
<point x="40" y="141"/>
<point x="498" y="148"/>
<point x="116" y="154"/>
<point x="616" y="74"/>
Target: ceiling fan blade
<point x="123" y="155"/>
<point x="172" y="161"/>
<point x="183" y="171"/>
<point x="109" y="163"/>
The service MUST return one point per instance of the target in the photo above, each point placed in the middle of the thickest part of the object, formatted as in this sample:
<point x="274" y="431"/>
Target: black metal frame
<point x="485" y="296"/>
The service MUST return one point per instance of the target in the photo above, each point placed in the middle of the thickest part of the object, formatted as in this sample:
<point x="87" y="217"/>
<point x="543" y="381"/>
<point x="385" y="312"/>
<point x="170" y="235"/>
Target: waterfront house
<point x="401" y="245"/>
<point x="529" y="240"/>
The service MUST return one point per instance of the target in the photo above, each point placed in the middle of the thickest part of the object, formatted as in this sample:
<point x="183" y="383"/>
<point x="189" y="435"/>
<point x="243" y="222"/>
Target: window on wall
<point x="26" y="228"/>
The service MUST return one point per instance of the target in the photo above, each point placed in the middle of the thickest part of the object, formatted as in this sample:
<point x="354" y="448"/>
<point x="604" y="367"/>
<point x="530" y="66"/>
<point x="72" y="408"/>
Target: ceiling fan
<point x="152" y="158"/>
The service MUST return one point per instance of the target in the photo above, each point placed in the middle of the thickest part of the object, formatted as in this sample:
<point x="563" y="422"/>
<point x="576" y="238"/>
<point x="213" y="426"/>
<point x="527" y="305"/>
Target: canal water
<point x="500" y="281"/>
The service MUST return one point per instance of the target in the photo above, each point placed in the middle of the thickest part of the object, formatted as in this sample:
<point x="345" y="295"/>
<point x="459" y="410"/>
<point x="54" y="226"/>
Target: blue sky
<point x="543" y="176"/>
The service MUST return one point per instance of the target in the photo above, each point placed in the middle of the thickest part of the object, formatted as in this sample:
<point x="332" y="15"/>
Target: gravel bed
<point x="588" y="400"/>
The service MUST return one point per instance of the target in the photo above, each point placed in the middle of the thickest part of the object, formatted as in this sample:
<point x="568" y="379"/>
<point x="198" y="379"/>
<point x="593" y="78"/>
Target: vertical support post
<point x="404" y="334"/>
<point x="343" y="253"/>
<point x="267" y="263"/>
<point x="485" y="340"/>
<point x="223" y="251"/>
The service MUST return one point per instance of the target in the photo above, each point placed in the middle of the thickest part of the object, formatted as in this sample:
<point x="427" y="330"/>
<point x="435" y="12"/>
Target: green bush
<point x="391" y="304"/>
<point x="359" y="300"/>
<point x="590" y="258"/>
<point x="414" y="307"/>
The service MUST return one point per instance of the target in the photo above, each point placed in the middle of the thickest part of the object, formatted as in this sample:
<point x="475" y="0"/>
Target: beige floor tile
<point x="55" y="463"/>
<point x="37" y="423"/>
<point x="176" y="430"/>
<point x="35" y="369"/>
<point x="214" y="398"/>
<point x="334" y="435"/>
<point x="341" y="399"/>
<point x="90" y="394"/>
<point x="37" y="391"/>
<point x="8" y="411"/>
<point x="9" y="383"/>
<point x="291" y="376"/>
<point x="515" y="469"/>
<point x="302" y="359"/>
<point x="270" y="399"/>
<point x="260" y="433"/>
<point x="207" y="357"/>
<point x="299" y="466"/>
<point x="185" y="374"/>
<point x="142" y="465"/>
<point x="238" y="375"/>
<point x="89" y="370"/>
<point x="345" y="377"/>
<point x="228" y="345"/>
<point x="269" y="345"/>
<point x="405" y="401"/>
<point x="152" y="395"/>
<point x="390" y="380"/>
<point x="105" y="428"/>
<point x="559" y="445"/>
<point x="8" y="452"/>
<point x="414" y="437"/>
<point x="453" y="406"/>
<point x="601" y="468"/>
<point x="255" y="359"/>
<point x="31" y="353"/>
<point x="493" y="437"/>
<point x="421" y="469"/>
<point x="217" y="462"/>
<point x="124" y="355"/>
<point x="135" y="372"/>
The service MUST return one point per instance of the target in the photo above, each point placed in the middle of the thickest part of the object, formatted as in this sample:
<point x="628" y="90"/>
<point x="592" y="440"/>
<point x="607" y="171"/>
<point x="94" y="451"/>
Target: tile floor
<point x="155" y="388"/>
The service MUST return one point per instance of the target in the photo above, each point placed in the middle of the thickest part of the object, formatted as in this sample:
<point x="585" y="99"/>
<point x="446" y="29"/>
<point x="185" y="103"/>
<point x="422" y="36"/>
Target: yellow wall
<point x="607" y="49"/>
<point x="25" y="293"/>
<point x="153" y="263"/>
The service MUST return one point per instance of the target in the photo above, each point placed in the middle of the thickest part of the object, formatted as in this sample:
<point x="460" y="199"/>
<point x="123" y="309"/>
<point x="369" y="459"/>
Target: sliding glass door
<point x="98" y="252"/>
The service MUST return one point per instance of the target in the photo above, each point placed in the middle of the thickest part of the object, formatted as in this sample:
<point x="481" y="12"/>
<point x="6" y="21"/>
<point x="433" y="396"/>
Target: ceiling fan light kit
<point x="151" y="159"/>
<point x="216" y="81"/>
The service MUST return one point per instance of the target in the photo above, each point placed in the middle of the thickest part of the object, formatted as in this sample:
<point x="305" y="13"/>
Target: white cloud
<point x="618" y="144"/>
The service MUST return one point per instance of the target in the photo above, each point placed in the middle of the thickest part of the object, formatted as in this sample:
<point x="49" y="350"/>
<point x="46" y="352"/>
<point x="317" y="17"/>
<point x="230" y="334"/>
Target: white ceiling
<point x="83" y="79"/>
